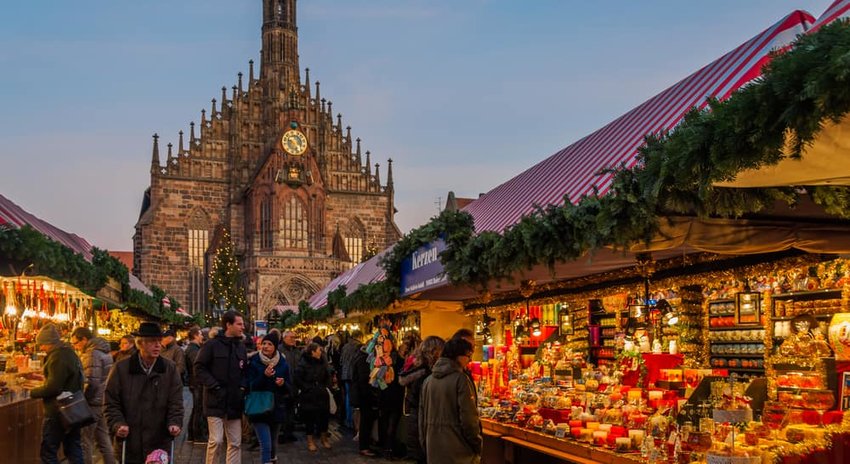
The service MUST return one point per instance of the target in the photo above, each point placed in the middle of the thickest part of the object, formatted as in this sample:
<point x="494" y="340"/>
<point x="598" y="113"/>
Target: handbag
<point x="74" y="410"/>
<point x="258" y="403"/>
<point x="332" y="409"/>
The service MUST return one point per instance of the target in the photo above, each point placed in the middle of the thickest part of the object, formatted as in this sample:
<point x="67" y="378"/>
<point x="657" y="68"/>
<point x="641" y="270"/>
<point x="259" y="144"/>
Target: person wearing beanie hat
<point x="272" y="337"/>
<point x="268" y="371"/>
<point x="48" y="335"/>
<point x="63" y="371"/>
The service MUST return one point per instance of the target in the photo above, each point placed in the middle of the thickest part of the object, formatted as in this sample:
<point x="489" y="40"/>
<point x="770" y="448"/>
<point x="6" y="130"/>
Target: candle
<point x="592" y="425"/>
<point x="636" y="436"/>
<point x="605" y="427"/>
<point x="575" y="423"/>
<point x="635" y="394"/>
<point x="575" y="432"/>
<point x="622" y="444"/>
<point x="655" y="395"/>
<point x="586" y="435"/>
<point x="600" y="437"/>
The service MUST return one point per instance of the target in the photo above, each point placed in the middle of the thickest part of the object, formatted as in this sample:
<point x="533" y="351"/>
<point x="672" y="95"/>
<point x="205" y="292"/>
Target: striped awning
<point x="575" y="171"/>
<point x="364" y="273"/>
<point x="838" y="10"/>
<point x="12" y="215"/>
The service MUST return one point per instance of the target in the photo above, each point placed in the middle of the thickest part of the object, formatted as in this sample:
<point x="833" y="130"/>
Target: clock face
<point x="294" y="142"/>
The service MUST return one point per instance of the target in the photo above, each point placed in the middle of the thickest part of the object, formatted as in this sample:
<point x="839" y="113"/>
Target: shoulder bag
<point x="74" y="410"/>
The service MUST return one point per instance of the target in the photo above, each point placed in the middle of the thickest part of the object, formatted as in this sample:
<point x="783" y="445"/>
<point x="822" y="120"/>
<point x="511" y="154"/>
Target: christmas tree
<point x="225" y="282"/>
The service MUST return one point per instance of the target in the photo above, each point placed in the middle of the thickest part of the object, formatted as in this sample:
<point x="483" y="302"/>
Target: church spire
<point x="280" y="42"/>
<point x="155" y="155"/>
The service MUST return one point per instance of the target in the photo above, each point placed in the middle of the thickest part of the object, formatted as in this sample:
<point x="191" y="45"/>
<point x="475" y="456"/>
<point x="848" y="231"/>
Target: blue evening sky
<point x="462" y="94"/>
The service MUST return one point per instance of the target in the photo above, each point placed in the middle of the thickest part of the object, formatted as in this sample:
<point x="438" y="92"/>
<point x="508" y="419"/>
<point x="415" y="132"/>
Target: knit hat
<point x="48" y="335"/>
<point x="272" y="337"/>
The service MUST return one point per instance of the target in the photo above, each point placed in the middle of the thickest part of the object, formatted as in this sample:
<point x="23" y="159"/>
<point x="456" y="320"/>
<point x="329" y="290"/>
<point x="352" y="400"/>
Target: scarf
<point x="269" y="361"/>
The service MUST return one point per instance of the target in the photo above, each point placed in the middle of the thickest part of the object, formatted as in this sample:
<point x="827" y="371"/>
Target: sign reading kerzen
<point x="422" y="269"/>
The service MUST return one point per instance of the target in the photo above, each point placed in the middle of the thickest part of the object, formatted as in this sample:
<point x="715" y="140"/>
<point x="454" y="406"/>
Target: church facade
<point x="273" y="164"/>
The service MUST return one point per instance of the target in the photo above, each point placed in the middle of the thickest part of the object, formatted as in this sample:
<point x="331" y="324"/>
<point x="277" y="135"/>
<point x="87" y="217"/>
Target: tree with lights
<point x="226" y="288"/>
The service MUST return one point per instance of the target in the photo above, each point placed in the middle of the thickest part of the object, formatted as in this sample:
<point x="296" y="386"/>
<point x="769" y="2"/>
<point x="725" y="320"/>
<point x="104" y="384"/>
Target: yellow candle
<point x="655" y="394"/>
<point x="592" y="425"/>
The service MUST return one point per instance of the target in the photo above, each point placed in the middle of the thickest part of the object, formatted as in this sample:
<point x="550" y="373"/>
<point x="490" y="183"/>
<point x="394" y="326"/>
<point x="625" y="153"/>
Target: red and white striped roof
<point x="838" y="10"/>
<point x="364" y="273"/>
<point x="574" y="171"/>
<point x="12" y="215"/>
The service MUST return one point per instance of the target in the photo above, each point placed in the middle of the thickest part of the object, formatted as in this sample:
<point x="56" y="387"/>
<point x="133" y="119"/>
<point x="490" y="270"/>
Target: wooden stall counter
<point x="20" y="431"/>
<point x="522" y="446"/>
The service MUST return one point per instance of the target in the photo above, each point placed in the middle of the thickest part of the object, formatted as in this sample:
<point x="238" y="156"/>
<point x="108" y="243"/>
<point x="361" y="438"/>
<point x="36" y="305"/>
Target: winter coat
<point x="191" y="354"/>
<point x="449" y="428"/>
<point x="412" y="379"/>
<point x="219" y="368"/>
<point x="119" y="355"/>
<point x="312" y="378"/>
<point x="392" y="397"/>
<point x="147" y="403"/>
<point x="292" y="355"/>
<point x="175" y="354"/>
<point x="97" y="362"/>
<point x="346" y="358"/>
<point x="63" y="371"/>
<point x="258" y="381"/>
<point x="362" y="395"/>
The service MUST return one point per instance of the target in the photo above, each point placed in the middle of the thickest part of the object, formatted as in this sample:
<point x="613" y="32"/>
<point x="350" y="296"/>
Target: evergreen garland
<point x="49" y="258"/>
<point x="799" y="91"/>
<point x="225" y="278"/>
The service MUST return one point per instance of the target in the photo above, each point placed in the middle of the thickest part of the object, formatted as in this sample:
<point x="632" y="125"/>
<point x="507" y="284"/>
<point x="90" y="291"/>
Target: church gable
<point x="282" y="208"/>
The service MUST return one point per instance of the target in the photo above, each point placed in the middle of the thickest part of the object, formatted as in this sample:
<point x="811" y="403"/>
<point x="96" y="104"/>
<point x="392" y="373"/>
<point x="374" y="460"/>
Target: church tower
<point x="280" y="44"/>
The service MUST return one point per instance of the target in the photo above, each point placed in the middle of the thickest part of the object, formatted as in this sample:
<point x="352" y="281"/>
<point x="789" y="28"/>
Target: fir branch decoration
<point x="225" y="278"/>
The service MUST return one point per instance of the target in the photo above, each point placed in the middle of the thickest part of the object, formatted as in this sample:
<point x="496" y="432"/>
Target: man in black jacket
<point x="219" y="369"/>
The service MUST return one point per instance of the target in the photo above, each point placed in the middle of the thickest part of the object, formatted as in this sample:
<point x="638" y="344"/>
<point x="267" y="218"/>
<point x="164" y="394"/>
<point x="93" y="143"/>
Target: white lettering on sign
<point x="424" y="258"/>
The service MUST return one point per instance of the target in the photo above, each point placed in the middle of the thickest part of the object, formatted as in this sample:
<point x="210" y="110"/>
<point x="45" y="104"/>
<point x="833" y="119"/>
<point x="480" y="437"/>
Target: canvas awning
<point x="825" y="162"/>
<point x="364" y="273"/>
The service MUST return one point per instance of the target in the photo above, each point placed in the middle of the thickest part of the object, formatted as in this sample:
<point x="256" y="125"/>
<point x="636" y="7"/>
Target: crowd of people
<point x="410" y="399"/>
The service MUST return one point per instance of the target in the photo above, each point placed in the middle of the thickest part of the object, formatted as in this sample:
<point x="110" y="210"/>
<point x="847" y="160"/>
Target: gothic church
<point x="274" y="165"/>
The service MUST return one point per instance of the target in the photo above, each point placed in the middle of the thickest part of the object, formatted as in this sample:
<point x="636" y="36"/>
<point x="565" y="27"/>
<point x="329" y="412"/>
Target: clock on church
<point x="294" y="142"/>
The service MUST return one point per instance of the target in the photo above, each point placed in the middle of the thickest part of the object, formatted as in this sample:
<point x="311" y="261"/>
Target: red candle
<point x="575" y="432"/>
<point x="575" y="423"/>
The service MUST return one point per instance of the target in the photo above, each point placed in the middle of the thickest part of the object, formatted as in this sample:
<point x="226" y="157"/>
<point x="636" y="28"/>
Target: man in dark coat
<point x="144" y="397"/>
<point x="449" y="427"/>
<point x="220" y="368"/>
<point x="63" y="371"/>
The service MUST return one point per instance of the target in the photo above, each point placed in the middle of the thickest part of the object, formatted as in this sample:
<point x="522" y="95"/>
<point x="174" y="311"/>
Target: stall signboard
<point x="423" y="269"/>
<point x="261" y="328"/>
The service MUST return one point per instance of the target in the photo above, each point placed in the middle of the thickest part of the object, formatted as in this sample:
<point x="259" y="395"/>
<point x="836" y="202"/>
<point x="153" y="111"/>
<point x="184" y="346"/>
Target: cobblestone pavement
<point x="343" y="450"/>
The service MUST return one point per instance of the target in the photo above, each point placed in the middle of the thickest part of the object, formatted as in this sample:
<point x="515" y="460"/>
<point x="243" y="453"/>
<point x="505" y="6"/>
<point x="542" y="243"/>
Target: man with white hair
<point x="144" y="397"/>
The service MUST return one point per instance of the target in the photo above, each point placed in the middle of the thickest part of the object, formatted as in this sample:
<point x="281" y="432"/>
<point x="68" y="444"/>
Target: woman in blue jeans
<point x="268" y="371"/>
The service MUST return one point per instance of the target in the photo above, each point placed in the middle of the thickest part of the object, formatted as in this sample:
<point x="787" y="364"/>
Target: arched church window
<point x="198" y="231"/>
<point x="354" y="237"/>
<point x="294" y="224"/>
<point x="266" y="239"/>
